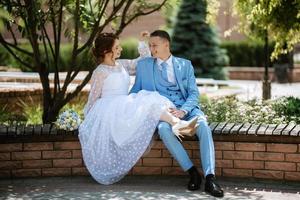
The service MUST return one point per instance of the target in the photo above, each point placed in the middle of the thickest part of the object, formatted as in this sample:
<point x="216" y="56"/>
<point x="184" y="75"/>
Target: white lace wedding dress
<point x="118" y="127"/>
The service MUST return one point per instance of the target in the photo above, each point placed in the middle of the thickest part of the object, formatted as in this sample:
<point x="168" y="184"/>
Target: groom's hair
<point x="162" y="34"/>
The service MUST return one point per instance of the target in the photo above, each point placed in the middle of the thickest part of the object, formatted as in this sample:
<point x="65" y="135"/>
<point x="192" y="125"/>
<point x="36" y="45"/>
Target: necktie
<point x="164" y="72"/>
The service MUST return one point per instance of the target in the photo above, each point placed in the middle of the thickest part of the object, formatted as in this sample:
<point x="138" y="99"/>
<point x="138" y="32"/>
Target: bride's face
<point x="116" y="50"/>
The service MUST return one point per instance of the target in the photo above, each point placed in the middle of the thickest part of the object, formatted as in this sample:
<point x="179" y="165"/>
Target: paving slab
<point x="143" y="187"/>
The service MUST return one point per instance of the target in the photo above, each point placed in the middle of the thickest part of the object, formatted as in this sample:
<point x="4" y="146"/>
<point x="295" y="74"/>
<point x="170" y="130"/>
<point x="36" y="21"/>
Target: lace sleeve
<point x="129" y="64"/>
<point x="96" y="88"/>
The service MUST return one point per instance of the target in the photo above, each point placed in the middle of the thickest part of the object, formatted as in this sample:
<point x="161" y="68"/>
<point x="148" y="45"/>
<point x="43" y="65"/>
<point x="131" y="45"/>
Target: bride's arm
<point x="144" y="51"/>
<point x="97" y="80"/>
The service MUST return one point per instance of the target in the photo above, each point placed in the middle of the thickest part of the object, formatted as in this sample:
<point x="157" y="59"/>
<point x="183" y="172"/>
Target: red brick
<point x="4" y="156"/>
<point x="175" y="163"/>
<point x="268" y="174"/>
<point x="166" y="154"/>
<point x="173" y="171"/>
<point x="66" y="145"/>
<point x="293" y="176"/>
<point x="146" y="171"/>
<point x="191" y="145"/>
<point x="292" y="157"/>
<point x="10" y="164"/>
<point x="77" y="154"/>
<point x="224" y="145"/>
<point x="4" y="173"/>
<point x="67" y="163"/>
<point x="154" y="153"/>
<point x="285" y="166"/>
<point x="80" y="171"/>
<point x="268" y="156"/>
<point x="224" y="163"/>
<point x="237" y="172"/>
<point x="218" y="171"/>
<point x="26" y="172"/>
<point x="139" y="162"/>
<point x="57" y="154"/>
<point x="37" y="163"/>
<point x="238" y="155"/>
<point x="158" y="145"/>
<point x="290" y="148"/>
<point x="298" y="167"/>
<point x="196" y="162"/>
<point x="218" y="154"/>
<point x="162" y="162"/>
<point x="56" y="172"/>
<point x="244" y="146"/>
<point x="248" y="164"/>
<point x="10" y="147"/>
<point x="26" y="155"/>
<point x="38" y="146"/>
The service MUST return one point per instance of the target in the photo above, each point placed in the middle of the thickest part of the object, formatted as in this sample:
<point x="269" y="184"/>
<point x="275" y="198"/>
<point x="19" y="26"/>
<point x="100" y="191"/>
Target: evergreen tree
<point x="193" y="38"/>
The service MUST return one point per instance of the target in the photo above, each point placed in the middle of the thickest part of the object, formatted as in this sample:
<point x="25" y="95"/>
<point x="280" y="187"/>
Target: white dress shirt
<point x="170" y="69"/>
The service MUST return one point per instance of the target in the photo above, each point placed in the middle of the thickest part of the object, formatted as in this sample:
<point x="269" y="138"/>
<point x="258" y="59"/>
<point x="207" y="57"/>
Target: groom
<point x="174" y="78"/>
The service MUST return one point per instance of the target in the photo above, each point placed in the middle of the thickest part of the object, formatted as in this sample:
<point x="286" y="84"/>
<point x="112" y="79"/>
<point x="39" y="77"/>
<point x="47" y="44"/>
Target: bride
<point x="118" y="127"/>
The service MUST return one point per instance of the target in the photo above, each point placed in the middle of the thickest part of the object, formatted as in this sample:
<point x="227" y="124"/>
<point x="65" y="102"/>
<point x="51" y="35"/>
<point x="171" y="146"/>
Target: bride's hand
<point x="177" y="113"/>
<point x="144" y="35"/>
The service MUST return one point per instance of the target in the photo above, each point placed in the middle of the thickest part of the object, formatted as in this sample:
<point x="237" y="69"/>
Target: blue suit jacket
<point x="184" y="73"/>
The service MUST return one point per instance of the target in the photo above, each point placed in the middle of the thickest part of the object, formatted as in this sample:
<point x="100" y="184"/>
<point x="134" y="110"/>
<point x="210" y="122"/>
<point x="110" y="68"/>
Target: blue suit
<point x="147" y="78"/>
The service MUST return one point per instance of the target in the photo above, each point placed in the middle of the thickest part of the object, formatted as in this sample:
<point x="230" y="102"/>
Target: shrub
<point x="289" y="107"/>
<point x="85" y="59"/>
<point x="230" y="109"/>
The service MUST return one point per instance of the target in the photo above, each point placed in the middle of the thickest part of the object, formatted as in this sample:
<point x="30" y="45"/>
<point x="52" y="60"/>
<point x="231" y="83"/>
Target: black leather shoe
<point x="195" y="180"/>
<point x="212" y="187"/>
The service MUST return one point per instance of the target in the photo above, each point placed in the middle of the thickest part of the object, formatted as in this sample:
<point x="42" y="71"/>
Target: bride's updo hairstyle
<point x="102" y="45"/>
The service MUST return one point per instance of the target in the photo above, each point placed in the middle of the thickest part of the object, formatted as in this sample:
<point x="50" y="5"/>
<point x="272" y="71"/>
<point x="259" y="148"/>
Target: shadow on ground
<point x="142" y="187"/>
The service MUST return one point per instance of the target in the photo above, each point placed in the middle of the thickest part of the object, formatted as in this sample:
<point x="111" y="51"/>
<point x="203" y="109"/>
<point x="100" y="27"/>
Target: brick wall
<point x="49" y="152"/>
<point x="257" y="73"/>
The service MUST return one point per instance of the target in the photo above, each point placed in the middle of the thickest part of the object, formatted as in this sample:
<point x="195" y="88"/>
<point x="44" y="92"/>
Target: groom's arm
<point x="192" y="100"/>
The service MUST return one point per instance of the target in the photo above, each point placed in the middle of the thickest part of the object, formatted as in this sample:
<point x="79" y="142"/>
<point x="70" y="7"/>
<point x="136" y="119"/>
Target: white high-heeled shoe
<point x="181" y="125"/>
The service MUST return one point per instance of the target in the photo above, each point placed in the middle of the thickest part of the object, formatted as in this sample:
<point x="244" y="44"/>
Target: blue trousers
<point x="207" y="151"/>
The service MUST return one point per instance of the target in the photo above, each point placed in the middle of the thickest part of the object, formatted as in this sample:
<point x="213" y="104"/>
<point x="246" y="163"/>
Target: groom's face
<point x="158" y="46"/>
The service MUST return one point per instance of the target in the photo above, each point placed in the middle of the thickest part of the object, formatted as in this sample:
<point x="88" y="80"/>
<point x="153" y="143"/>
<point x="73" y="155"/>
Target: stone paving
<point x="143" y="187"/>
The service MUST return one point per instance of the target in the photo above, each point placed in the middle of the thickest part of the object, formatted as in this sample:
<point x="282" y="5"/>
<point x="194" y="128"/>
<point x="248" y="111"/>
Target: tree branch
<point x="2" y="40"/>
<point x="96" y="27"/>
<point x="123" y="23"/>
<point x="78" y="88"/>
<point x="15" y="55"/>
<point x="12" y="34"/>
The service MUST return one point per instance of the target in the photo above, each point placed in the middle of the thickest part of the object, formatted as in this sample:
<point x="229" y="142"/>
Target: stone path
<point x="142" y="187"/>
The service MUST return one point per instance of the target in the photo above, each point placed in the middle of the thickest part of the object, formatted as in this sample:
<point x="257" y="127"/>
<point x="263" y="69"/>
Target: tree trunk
<point x="266" y="82"/>
<point x="50" y="116"/>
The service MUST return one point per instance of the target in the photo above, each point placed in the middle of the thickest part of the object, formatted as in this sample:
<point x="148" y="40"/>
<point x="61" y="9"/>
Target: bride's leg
<point x="179" y="127"/>
<point x="169" y="118"/>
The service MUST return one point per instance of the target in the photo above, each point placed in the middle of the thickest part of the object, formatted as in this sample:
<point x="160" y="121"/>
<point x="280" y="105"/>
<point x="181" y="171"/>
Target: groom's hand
<point x="144" y="35"/>
<point x="177" y="113"/>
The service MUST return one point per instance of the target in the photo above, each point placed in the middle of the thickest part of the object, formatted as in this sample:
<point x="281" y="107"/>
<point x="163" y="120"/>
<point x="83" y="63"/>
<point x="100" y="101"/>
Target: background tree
<point x="195" y="39"/>
<point x="276" y="20"/>
<point x="170" y="11"/>
<point x="79" y="20"/>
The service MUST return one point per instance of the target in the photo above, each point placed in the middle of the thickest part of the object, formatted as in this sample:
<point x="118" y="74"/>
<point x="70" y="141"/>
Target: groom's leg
<point x="207" y="154"/>
<point x="207" y="150"/>
<point x="174" y="146"/>
<point x="206" y="144"/>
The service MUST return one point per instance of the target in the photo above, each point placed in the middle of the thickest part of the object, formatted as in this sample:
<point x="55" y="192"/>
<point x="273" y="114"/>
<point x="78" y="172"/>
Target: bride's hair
<point x="102" y="45"/>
